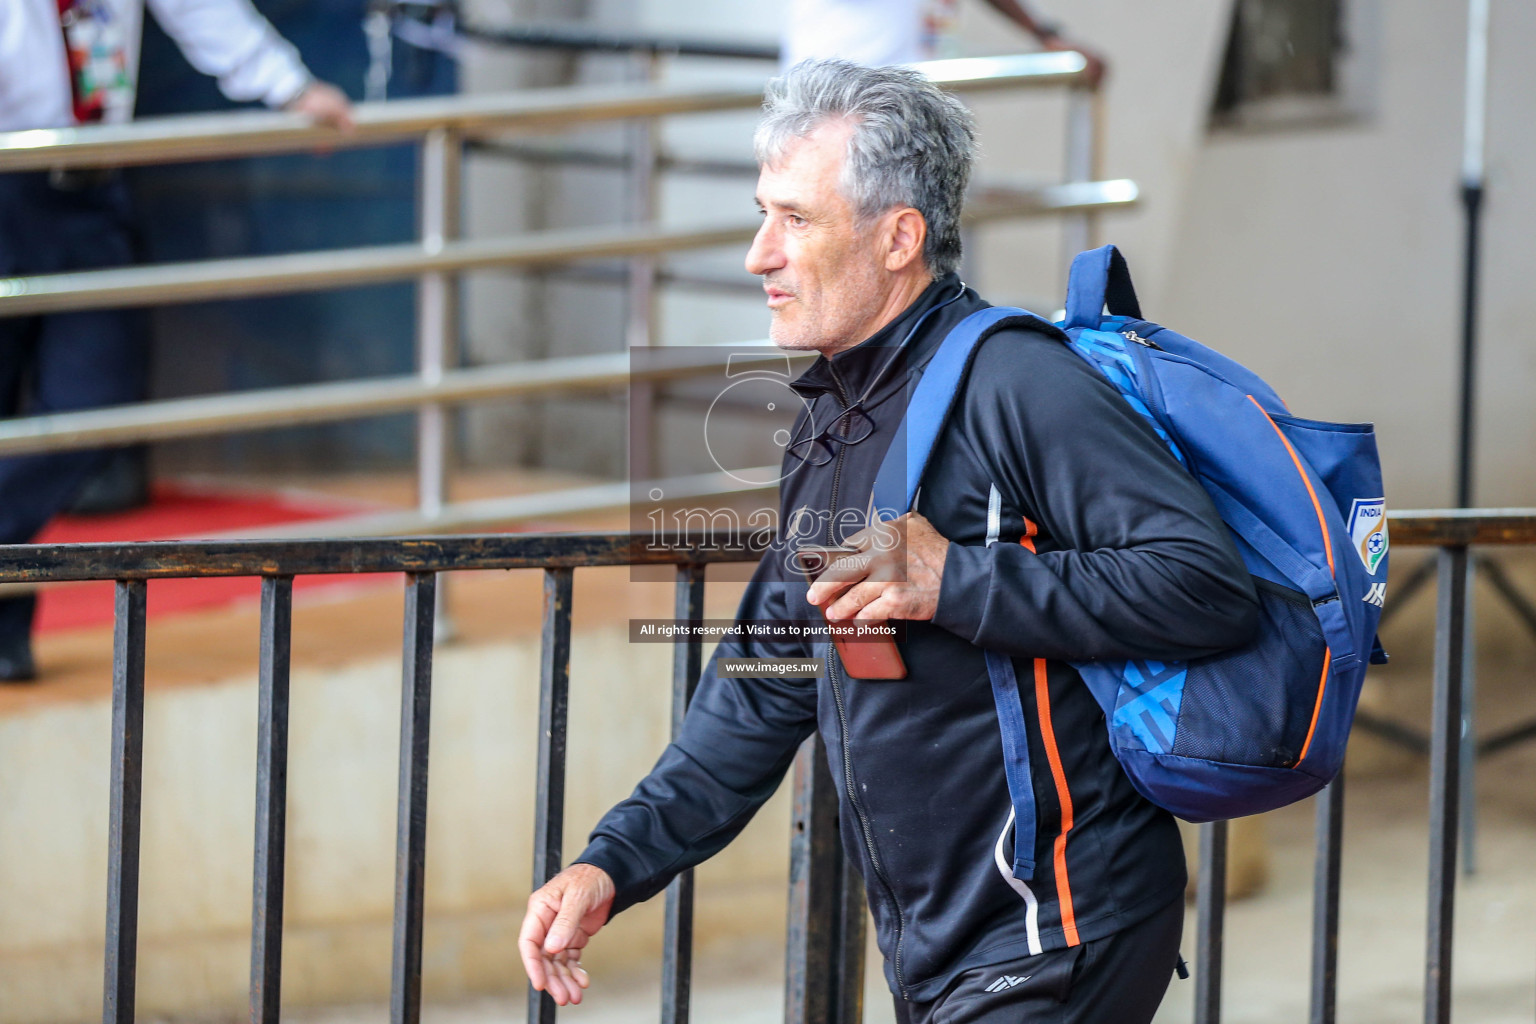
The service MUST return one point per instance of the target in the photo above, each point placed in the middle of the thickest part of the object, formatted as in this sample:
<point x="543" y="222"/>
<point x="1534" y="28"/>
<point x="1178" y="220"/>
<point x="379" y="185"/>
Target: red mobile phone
<point x="862" y="659"/>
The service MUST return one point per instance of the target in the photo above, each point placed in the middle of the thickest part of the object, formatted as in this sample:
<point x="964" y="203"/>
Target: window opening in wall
<point x="1291" y="62"/>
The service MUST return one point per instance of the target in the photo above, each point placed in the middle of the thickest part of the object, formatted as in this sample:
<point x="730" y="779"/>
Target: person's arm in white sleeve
<point x="230" y="41"/>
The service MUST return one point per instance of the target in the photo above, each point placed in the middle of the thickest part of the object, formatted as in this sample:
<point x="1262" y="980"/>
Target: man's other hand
<point x="324" y="104"/>
<point x="562" y="917"/>
<point x="895" y="575"/>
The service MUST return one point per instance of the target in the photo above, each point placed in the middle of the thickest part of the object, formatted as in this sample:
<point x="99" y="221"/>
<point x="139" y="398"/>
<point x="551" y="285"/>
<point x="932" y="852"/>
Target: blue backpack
<point x="1253" y="728"/>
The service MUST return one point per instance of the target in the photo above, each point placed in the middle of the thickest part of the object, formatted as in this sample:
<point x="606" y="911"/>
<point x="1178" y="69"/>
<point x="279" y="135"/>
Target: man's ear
<point x="907" y="233"/>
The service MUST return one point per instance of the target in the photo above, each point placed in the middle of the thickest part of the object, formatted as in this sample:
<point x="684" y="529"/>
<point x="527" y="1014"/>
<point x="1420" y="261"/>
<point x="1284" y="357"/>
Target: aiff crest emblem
<point x="1368" y="530"/>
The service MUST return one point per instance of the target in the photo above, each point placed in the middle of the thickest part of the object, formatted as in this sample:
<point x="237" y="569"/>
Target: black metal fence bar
<point x="1210" y="921"/>
<point x="411" y="828"/>
<point x="1444" y="782"/>
<point x="127" y="781"/>
<point x="1325" y="901"/>
<point x="687" y="661"/>
<point x="824" y="958"/>
<point x="554" y="704"/>
<point x="848" y="968"/>
<point x="271" y="799"/>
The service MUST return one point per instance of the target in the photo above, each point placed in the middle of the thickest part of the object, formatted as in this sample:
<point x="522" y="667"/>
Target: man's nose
<point x="765" y="255"/>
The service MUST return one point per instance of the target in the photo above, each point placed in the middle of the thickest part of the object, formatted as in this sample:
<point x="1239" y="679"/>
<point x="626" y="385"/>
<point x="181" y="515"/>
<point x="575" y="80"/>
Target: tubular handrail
<point x="1457" y="527"/>
<point x="584" y="39"/>
<point x="323" y="403"/>
<point x="245" y="276"/>
<point x="249" y="133"/>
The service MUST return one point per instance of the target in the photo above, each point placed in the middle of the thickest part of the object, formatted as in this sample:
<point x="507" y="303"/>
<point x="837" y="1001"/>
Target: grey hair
<point x="912" y="145"/>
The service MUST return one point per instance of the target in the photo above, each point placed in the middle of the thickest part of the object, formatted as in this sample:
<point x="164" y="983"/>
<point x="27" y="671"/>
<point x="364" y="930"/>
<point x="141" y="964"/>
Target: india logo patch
<point x="1368" y="530"/>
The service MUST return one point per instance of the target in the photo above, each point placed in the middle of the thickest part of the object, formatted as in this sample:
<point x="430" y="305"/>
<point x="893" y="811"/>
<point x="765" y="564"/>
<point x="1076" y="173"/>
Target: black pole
<point x="1472" y="204"/>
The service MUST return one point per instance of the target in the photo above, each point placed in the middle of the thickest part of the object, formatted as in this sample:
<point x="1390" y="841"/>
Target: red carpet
<point x="179" y="512"/>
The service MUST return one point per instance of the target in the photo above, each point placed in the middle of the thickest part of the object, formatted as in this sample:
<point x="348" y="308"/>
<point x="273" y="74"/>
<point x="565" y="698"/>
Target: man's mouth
<point x="777" y="296"/>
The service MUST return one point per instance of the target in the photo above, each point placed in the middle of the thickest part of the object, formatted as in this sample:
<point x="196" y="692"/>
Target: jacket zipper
<point x="833" y="675"/>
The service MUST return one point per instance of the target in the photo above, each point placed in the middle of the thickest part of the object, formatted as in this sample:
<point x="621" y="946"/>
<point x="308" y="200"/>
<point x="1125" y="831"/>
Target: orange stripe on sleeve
<point x="1063" y="796"/>
<point x="1028" y="540"/>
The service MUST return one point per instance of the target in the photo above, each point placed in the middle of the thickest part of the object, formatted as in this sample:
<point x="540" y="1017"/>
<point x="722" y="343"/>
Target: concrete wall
<point x="1338" y="252"/>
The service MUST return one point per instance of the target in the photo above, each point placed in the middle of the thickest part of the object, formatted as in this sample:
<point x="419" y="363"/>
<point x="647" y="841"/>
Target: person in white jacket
<point x="880" y="32"/>
<point x="48" y="55"/>
<point x="75" y="62"/>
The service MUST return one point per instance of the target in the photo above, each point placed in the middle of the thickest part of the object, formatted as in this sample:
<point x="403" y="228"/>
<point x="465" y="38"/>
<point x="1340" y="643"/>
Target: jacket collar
<point x="851" y="372"/>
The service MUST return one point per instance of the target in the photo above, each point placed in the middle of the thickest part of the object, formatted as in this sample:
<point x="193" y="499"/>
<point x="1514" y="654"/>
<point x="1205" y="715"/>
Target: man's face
<point x="826" y="279"/>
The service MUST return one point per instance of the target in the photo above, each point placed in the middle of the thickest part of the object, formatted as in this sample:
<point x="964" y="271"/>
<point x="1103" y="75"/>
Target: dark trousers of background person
<point x="59" y="362"/>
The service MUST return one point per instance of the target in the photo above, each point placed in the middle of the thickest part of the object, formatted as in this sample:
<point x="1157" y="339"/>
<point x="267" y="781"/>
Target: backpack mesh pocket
<point x="1253" y="705"/>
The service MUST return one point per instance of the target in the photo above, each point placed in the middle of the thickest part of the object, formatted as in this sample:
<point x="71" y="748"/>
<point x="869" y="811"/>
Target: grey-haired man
<point x="1052" y="526"/>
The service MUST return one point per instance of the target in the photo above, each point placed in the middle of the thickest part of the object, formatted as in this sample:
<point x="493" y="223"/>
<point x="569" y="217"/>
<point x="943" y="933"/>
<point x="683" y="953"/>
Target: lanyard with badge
<point x="96" y="45"/>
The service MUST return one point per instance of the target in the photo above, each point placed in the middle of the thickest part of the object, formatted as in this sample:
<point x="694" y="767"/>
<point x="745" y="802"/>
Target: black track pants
<point x="1119" y="979"/>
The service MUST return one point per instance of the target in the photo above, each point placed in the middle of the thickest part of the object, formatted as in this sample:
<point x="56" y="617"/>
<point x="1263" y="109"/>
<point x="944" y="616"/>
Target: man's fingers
<point x="847" y="606"/>
<point x="570" y="976"/>
<point x="889" y="605"/>
<point x="882" y="536"/>
<point x="560" y="980"/>
<point x="881" y="568"/>
<point x="533" y="963"/>
<point x="846" y="569"/>
<point x="572" y="909"/>
<point x="530" y="940"/>
<point x="837" y="577"/>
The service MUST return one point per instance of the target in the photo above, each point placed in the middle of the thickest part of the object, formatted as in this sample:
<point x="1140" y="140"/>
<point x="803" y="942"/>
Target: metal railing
<point x="438" y="259"/>
<point x="133" y="566"/>
<point x="580" y="38"/>
<point x="1451" y="533"/>
<point x="824" y="956"/>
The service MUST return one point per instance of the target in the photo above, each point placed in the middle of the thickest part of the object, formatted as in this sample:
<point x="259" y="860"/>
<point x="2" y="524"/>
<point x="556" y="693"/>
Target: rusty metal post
<point x="824" y="969"/>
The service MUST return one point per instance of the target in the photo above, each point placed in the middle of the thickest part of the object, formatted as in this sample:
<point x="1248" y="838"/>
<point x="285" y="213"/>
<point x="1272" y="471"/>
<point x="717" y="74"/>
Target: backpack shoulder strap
<point x="928" y="409"/>
<point x="895" y="487"/>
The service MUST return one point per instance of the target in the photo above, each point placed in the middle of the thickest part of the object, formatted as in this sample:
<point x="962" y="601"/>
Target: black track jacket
<point x="1075" y="535"/>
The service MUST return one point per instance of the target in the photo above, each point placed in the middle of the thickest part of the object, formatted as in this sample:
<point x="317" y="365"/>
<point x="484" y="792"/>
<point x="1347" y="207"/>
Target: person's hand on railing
<point x="1048" y="35"/>
<point x="562" y="917"/>
<point x="324" y="104"/>
<point x="1096" y="65"/>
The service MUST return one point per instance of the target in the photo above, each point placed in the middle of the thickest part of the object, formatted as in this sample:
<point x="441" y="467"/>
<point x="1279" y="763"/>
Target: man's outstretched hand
<point x="562" y="917"/>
